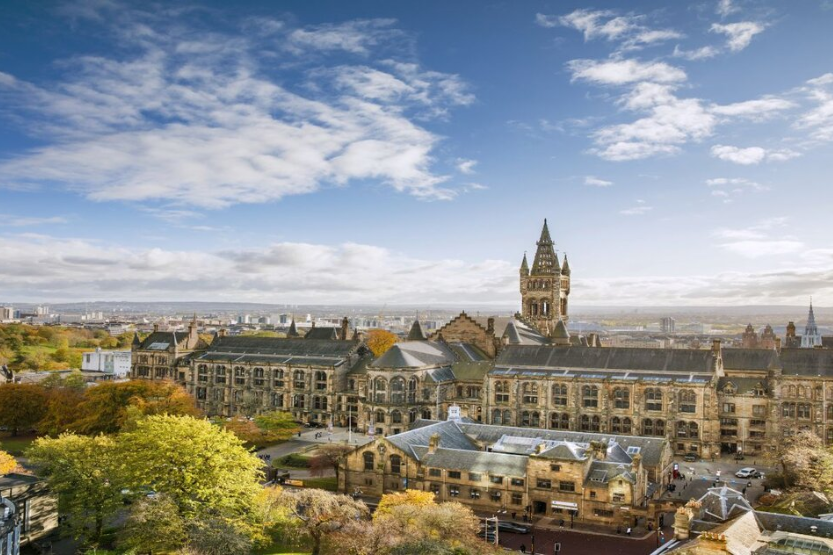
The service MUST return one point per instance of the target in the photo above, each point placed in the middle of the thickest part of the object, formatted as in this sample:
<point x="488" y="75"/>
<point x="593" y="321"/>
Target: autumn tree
<point x="328" y="457"/>
<point x="205" y="470"/>
<point x="84" y="472"/>
<point x="280" y="422"/>
<point x="379" y="341"/>
<point x="7" y="463"/>
<point x="806" y="463"/>
<point x="23" y="406"/>
<point x="153" y="526"/>
<point x="319" y="513"/>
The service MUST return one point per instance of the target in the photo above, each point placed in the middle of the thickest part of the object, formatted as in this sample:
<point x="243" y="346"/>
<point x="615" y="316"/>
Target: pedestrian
<point x="561" y="523"/>
<point x="628" y="531"/>
<point x="299" y="434"/>
<point x="744" y="490"/>
<point x="513" y="515"/>
<point x="618" y="529"/>
<point x="523" y="548"/>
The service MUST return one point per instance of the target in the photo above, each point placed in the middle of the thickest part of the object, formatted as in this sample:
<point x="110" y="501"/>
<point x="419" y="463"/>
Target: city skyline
<point x="373" y="153"/>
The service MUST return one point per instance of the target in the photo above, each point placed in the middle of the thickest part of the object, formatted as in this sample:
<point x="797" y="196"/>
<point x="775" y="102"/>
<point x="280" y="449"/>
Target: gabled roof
<point x="450" y="437"/>
<point x="162" y="340"/>
<point x="416" y="333"/>
<point x="415" y="354"/>
<point x="326" y="333"/>
<point x="807" y="362"/>
<point x="750" y="359"/>
<point x="561" y="330"/>
<point x="495" y="464"/>
<point x="518" y="333"/>
<point x="609" y="358"/>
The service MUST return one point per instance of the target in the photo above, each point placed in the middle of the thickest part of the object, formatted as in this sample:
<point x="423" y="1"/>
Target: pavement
<point x="702" y="475"/>
<point x="307" y="440"/>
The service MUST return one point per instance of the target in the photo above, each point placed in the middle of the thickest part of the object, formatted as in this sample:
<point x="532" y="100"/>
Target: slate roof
<point x="156" y="339"/>
<point x="416" y="333"/>
<point x="561" y="330"/>
<point x="743" y="386"/>
<point x="807" y="362"/>
<point x="496" y="464"/>
<point x="467" y="352"/>
<point x="750" y="359"/>
<point x="470" y="371"/>
<point x="278" y="350"/>
<point x="794" y="524"/>
<point x="450" y="437"/>
<point x="604" y="472"/>
<point x="721" y="504"/>
<point x="518" y="333"/>
<point x="415" y="354"/>
<point x="613" y="358"/>
<point x="327" y="333"/>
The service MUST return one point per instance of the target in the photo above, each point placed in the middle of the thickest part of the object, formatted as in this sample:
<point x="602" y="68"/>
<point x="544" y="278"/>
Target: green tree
<point x="218" y="537"/>
<point x="204" y="469"/>
<point x="23" y="406"/>
<point x="319" y="513"/>
<point x="83" y="471"/>
<point x="281" y="423"/>
<point x="154" y="526"/>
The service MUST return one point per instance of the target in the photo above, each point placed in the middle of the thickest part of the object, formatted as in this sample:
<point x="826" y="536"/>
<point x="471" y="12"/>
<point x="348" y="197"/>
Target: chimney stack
<point x="490" y="326"/>
<point x="345" y="328"/>
<point x="433" y="443"/>
<point x="155" y="327"/>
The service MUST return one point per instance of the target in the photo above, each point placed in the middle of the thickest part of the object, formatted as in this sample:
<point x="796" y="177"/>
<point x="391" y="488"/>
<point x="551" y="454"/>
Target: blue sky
<point x="408" y="152"/>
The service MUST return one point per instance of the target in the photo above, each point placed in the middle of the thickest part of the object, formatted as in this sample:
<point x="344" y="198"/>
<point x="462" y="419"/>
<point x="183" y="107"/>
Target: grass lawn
<point x="281" y="548"/>
<point x="329" y="483"/>
<point x="15" y="446"/>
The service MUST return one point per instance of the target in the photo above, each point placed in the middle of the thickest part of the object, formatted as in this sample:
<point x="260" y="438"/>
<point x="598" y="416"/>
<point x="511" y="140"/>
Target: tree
<point x="379" y="341"/>
<point x="318" y="513"/>
<point x="23" y="406"/>
<point x="83" y="471"/>
<point x="218" y="537"/>
<point x="806" y="463"/>
<point x="61" y="410"/>
<point x="328" y="457"/>
<point x="409" y="497"/>
<point x="204" y="469"/>
<point x="154" y="526"/>
<point x="277" y="421"/>
<point x="7" y="463"/>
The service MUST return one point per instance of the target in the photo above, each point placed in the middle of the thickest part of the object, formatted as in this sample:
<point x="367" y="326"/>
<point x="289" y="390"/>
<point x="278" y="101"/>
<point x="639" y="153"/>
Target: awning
<point x="565" y="505"/>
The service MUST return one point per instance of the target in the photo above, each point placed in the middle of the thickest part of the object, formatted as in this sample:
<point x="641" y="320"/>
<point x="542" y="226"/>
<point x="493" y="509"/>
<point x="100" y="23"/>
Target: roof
<point x="496" y="464"/>
<point x="470" y="371"/>
<point x="561" y="330"/>
<point x="743" y="386"/>
<point x="807" y="362"/>
<point x="518" y="333"/>
<point x="416" y="333"/>
<point x="162" y="340"/>
<point x="16" y="480"/>
<point x="327" y="333"/>
<point x="608" y="358"/>
<point x="604" y="472"/>
<point x="721" y="504"/>
<point x="750" y="359"/>
<point x="451" y="437"/>
<point x="415" y="354"/>
<point x="278" y="350"/>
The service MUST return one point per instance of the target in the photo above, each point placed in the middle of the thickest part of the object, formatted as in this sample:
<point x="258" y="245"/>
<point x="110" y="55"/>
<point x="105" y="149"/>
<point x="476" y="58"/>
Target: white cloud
<point x="606" y="24"/>
<point x="624" y="72"/>
<point x="640" y="209"/>
<point x="726" y="7"/>
<point x="819" y="120"/>
<point x="758" y="109"/>
<point x="702" y="53"/>
<point x="739" y="35"/>
<point x="728" y="188"/>
<point x="751" y="155"/>
<point x="26" y="221"/>
<point x="198" y="121"/>
<point x="466" y="166"/>
<point x="596" y="182"/>
<point x="756" y="241"/>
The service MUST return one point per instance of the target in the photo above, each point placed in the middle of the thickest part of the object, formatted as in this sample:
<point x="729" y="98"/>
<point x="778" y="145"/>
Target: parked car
<point x="504" y="526"/>
<point x="748" y="472"/>
<point x="690" y="457"/>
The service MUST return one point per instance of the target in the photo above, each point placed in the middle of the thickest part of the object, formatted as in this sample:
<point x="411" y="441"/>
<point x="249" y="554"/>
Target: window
<point x="566" y="486"/>
<point x="474" y="493"/>
<point x="603" y="512"/>
<point x="454" y="474"/>
<point x="299" y="401"/>
<point x="219" y="395"/>
<point x="299" y="379"/>
<point x="495" y="495"/>
<point x="319" y="403"/>
<point x="277" y="378"/>
<point x="559" y="395"/>
<point x="412" y="389"/>
<point x="757" y="423"/>
<point x="760" y="410"/>
<point x="501" y="392"/>
<point x="517" y="498"/>
<point x="555" y="467"/>
<point x="397" y="391"/>
<point x="396" y="417"/>
<point x="560" y="421"/>
<point x="729" y="407"/>
<point x="530" y="393"/>
<point x="435" y="489"/>
<point x="530" y="418"/>
<point x="238" y="397"/>
<point x="653" y="427"/>
<point x="590" y="396"/>
<point x="618" y="498"/>
<point x="380" y="417"/>
<point x="202" y="373"/>
<point x="688" y="401"/>
<point x="653" y="399"/>
<point x="803" y="410"/>
<point x="380" y="386"/>
<point x="542" y="483"/>
<point x="239" y="375"/>
<point x="257" y="375"/>
<point x="320" y="380"/>
<point x="496" y="479"/>
<point x="621" y="398"/>
<point x="517" y="482"/>
<point x="788" y="410"/>
<point x="590" y="423"/>
<point x="368" y="460"/>
<point x="201" y="393"/>
<point x="277" y="399"/>
<point x="592" y="494"/>
<point x="620" y="425"/>
<point x="474" y="477"/>
<point x="435" y="472"/>
<point x="453" y="491"/>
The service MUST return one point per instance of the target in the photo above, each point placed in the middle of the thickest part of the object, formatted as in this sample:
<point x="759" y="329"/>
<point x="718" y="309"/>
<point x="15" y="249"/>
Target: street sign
<point x="556" y="547"/>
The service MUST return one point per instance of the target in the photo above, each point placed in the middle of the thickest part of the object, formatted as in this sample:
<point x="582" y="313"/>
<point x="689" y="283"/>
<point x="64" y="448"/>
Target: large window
<point x="620" y="425"/>
<point x="258" y="376"/>
<point x="395" y="417"/>
<point x="688" y="429"/>
<point x="653" y="399"/>
<point x="412" y="389"/>
<point x="501" y="417"/>
<point x="559" y="395"/>
<point x="542" y="483"/>
<point x="566" y="486"/>
<point x="277" y="377"/>
<point x="397" y="391"/>
<point x="320" y="380"/>
<point x="380" y="386"/>
<point x="530" y="393"/>
<point x="560" y="421"/>
<point x="590" y="423"/>
<point x="688" y="401"/>
<point x="299" y="379"/>
<point x="368" y="460"/>
<point x="621" y="398"/>
<point x="531" y="418"/>
<point x="501" y="392"/>
<point x="590" y="396"/>
<point x="239" y="375"/>
<point x="803" y="410"/>
<point x="653" y="427"/>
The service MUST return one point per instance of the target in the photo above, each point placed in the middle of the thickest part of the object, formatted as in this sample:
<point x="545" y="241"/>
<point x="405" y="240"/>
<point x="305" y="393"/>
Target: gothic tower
<point x="544" y="288"/>
<point x="811" y="337"/>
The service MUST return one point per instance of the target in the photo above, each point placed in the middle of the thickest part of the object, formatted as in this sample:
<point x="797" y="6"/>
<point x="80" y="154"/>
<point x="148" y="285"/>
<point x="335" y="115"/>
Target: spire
<point x="560" y="335"/>
<point x="524" y="266"/>
<point x="545" y="261"/>
<point x="810" y="328"/>
<point x="136" y="340"/>
<point x="565" y="269"/>
<point x="416" y="333"/>
<point x="293" y="332"/>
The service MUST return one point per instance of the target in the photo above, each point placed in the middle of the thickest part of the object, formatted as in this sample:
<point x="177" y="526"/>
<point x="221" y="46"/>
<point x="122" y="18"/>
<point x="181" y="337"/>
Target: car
<point x="747" y="472"/>
<point x="690" y="457"/>
<point x="505" y="526"/>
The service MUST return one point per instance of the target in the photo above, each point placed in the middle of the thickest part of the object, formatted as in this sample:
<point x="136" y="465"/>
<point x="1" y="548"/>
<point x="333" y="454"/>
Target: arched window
<point x="258" y="376"/>
<point x="615" y="425"/>
<point x="693" y="430"/>
<point x="397" y="391"/>
<point x="299" y="379"/>
<point x="380" y="385"/>
<point x="791" y="391"/>
<point x="530" y="393"/>
<point x="788" y="410"/>
<point x="621" y="398"/>
<point x="653" y="398"/>
<point x="507" y="418"/>
<point x="501" y="392"/>
<point x="653" y="427"/>
<point x="688" y="401"/>
<point x="277" y="377"/>
<point x="590" y="424"/>
<point x="412" y="415"/>
<point x="395" y="464"/>
<point x="320" y="380"/>
<point x="590" y="396"/>
<point x="412" y="390"/>
<point x="560" y="421"/>
<point x="830" y="412"/>
<point x="803" y="410"/>
<point x="238" y="397"/>
<point x="396" y="417"/>
<point x="801" y="391"/>
<point x="530" y="418"/>
<point x="299" y="401"/>
<point x="497" y="417"/>
<point x="277" y="400"/>
<point x="559" y="395"/>
<point x="682" y="429"/>
<point x="627" y="426"/>
<point x="239" y="375"/>
<point x="380" y="416"/>
<point x="368" y="460"/>
<point x="426" y="414"/>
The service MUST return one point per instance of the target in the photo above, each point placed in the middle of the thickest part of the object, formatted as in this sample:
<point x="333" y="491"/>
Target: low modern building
<point x="28" y="511"/>
<point x="593" y="477"/>
<point x="115" y="363"/>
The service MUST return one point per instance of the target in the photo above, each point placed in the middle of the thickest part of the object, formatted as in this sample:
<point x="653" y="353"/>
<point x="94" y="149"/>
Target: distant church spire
<point x="811" y="337"/>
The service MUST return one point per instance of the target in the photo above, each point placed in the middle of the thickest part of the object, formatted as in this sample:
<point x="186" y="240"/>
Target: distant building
<point x="7" y="313"/>
<point x="811" y="337"/>
<point x="667" y="325"/>
<point x="108" y="362"/>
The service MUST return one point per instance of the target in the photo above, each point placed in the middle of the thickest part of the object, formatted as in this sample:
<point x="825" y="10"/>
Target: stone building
<point x="160" y="354"/>
<point x="595" y="477"/>
<point x="546" y="287"/>
<point x="28" y="511"/>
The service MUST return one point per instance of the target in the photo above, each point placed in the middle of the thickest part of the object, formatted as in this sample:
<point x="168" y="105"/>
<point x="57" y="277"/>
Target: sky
<point x="408" y="152"/>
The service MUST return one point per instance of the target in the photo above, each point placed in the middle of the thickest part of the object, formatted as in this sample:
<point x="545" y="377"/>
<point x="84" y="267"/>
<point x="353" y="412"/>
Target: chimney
<point x="222" y="332"/>
<point x="345" y="328"/>
<point x="717" y="358"/>
<point x="778" y="344"/>
<point x="716" y="347"/>
<point x="540" y="448"/>
<point x="155" y="327"/>
<point x="433" y="443"/>
<point x="490" y="326"/>
<point x="592" y="339"/>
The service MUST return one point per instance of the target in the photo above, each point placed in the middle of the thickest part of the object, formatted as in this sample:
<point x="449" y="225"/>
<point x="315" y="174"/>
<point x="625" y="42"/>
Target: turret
<point x="416" y="333"/>
<point x="293" y="331"/>
<point x="565" y="268"/>
<point x="345" y="329"/>
<point x="524" y="267"/>
<point x="136" y="341"/>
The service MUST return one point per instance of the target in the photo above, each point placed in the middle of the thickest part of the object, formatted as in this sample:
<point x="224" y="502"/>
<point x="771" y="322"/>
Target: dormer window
<point x="729" y="389"/>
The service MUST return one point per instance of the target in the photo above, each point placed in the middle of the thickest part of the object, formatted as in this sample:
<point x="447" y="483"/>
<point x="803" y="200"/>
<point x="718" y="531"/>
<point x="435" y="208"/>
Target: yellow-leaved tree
<point x="7" y="463"/>
<point x="379" y="341"/>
